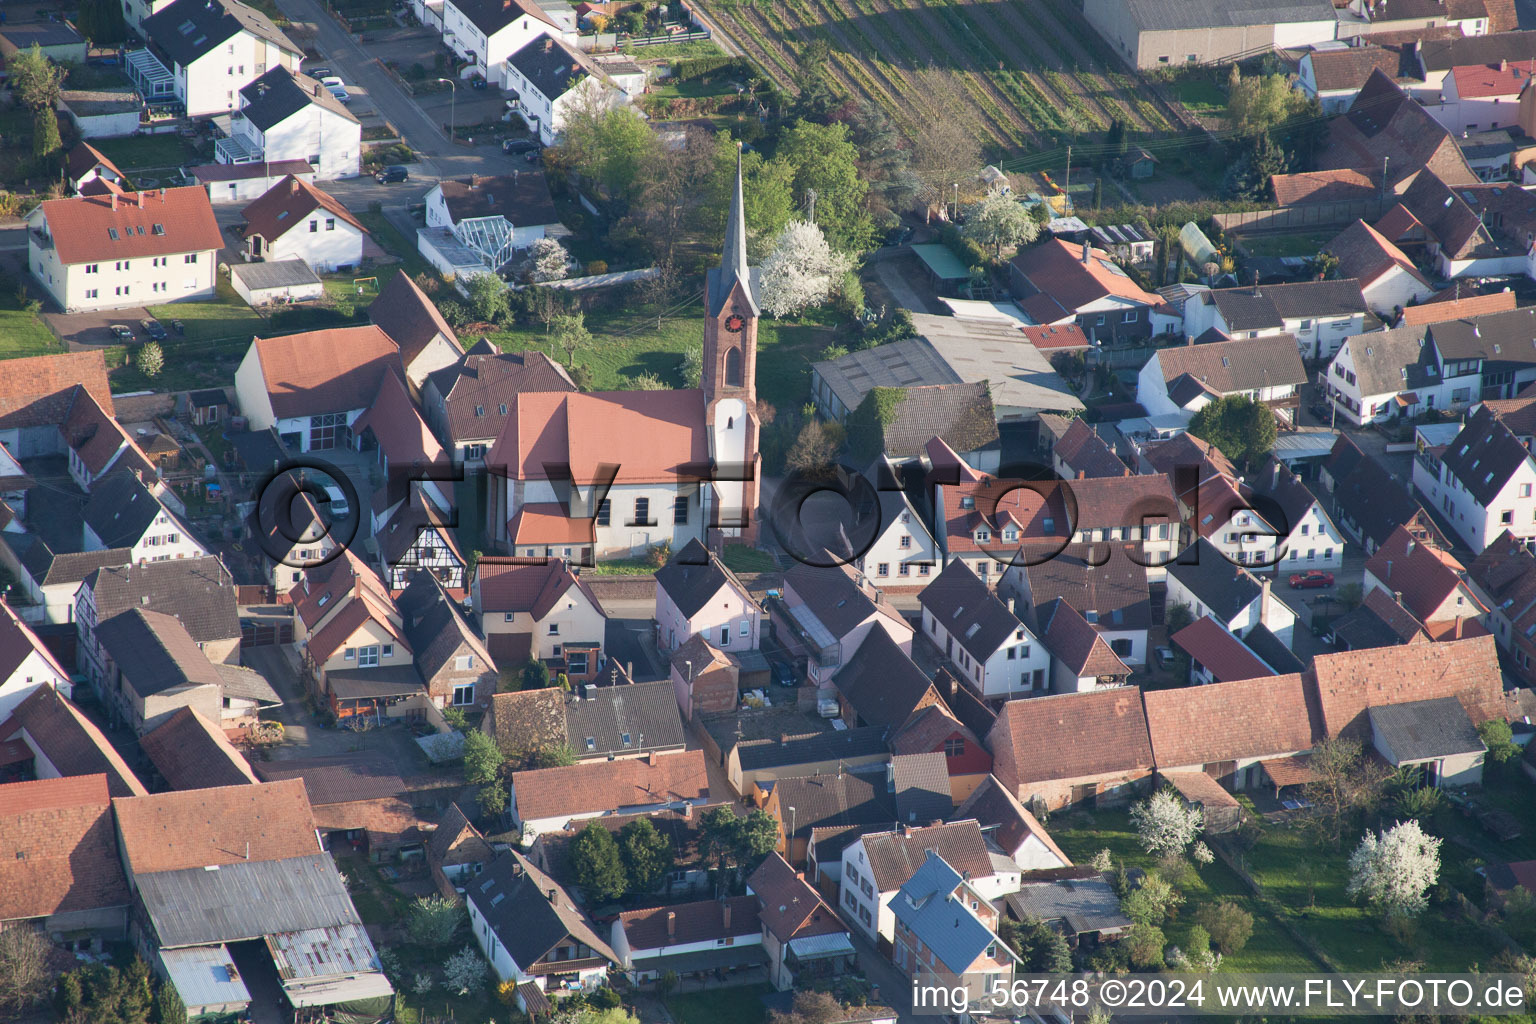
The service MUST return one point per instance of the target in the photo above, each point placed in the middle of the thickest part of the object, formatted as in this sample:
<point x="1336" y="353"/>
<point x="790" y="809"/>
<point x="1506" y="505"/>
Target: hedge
<point x="685" y="68"/>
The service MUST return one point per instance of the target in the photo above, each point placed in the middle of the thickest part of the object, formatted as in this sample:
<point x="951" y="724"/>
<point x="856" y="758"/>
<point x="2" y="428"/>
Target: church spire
<point x="733" y="258"/>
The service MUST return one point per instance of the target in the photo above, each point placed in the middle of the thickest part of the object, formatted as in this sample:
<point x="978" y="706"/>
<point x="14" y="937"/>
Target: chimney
<point x="1457" y="634"/>
<point x="1503" y="64"/>
<point x="1255" y="284"/>
<point x="293" y="187"/>
<point x="687" y="812"/>
<point x="650" y="757"/>
<point x="1389" y="568"/>
<point x="317" y="88"/>
<point x="162" y="193"/>
<point x="474" y="181"/>
<point x="140" y="197"/>
<point x="1397" y="595"/>
<point x="1274" y="479"/>
<point x="1081" y="474"/>
<point x="1086" y="250"/>
<point x="549" y="44"/>
<point x="725" y="914"/>
<point x="553" y="894"/>
<point x="114" y="202"/>
<point x="671" y="925"/>
<point x="1411" y="543"/>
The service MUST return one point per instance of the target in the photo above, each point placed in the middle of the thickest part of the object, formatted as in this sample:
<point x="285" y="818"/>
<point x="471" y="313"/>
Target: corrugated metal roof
<point x="245" y="900"/>
<point x="814" y="947"/>
<point x="322" y="952"/>
<point x="204" y="976"/>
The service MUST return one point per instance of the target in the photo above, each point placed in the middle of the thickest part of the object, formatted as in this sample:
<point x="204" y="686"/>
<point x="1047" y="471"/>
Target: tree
<point x="535" y="674"/>
<point x="464" y="972"/>
<point x="101" y="21"/>
<point x="768" y="192"/>
<point x="560" y="755"/>
<point x="45" y="133"/>
<point x="571" y="334"/>
<point x="482" y="758"/>
<point x="814" y="453"/>
<point x="1152" y="901"/>
<point x="547" y="261"/>
<point x="1324" y="266"/>
<point x="885" y="160"/>
<point x="1393" y="870"/>
<point x="944" y="154"/>
<point x="627" y="145"/>
<point x="800" y="271"/>
<point x="646" y="382"/>
<point x="737" y="842"/>
<point x="1248" y="176"/>
<point x="493" y="799"/>
<point x="488" y="298"/>
<point x="1344" y="783"/>
<point x="811" y="1008"/>
<point x="674" y="187"/>
<point x="1143" y="944"/>
<point x="1227" y="924"/>
<point x="596" y="865"/>
<point x="826" y="162"/>
<point x="36" y="79"/>
<point x="1115" y="143"/>
<point x="1499" y="740"/>
<point x="1261" y="104"/>
<point x="23" y="965"/>
<point x="999" y="220"/>
<point x="433" y="920"/>
<point x="691" y="366"/>
<point x="150" y="359"/>
<point x="1042" y="948"/>
<point x="1165" y="824"/>
<point x="1243" y="429"/>
<point x="647" y="855"/>
<point x="1177" y="616"/>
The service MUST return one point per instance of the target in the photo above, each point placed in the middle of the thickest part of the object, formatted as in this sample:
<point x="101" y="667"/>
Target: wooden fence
<point x="1301" y="218"/>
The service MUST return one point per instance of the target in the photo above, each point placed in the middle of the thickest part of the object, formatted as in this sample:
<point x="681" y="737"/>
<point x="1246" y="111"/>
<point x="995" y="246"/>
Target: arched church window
<point x="733" y="368"/>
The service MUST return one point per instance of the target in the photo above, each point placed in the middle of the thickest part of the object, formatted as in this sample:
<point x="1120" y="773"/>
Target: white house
<point x="987" y="646"/>
<point x="828" y="613"/>
<point x="123" y="512"/>
<point x="1332" y="73"/>
<point x="86" y="164"/>
<point x="653" y="941"/>
<point x="1209" y="583"/>
<point x="1181" y="381"/>
<point x="487" y="32"/>
<point x="286" y="281"/>
<point x="1383" y="374"/>
<point x="203" y="52"/>
<point x="902" y="552"/>
<point x="1478" y="96"/>
<point x="697" y="595"/>
<point x="1318" y="314"/>
<point x="552" y="77"/>
<point x="495" y="215"/>
<point x="1104" y="583"/>
<point x="1426" y="580"/>
<point x="1270" y="522"/>
<point x="296" y="220"/>
<point x="1481" y="483"/>
<point x="312" y="387"/>
<point x="285" y="115"/>
<point x="241" y="183"/>
<point x="114" y="251"/>
<point x="1388" y="279"/>
<point x="549" y="799"/>
<point x="25" y="664"/>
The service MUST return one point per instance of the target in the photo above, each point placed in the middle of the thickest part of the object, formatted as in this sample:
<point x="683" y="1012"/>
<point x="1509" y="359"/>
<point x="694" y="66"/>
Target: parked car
<point x="178" y="327"/>
<point x="120" y="333"/>
<point x="319" y="74"/>
<point x="393" y="173"/>
<point x="478" y="83"/>
<point x="338" y="507"/>
<point x="784" y="674"/>
<point x="340" y="93"/>
<point x="1163" y="656"/>
<point x="332" y="82"/>
<point x="1315" y="579"/>
<point x="153" y="329"/>
<point x="519" y="145"/>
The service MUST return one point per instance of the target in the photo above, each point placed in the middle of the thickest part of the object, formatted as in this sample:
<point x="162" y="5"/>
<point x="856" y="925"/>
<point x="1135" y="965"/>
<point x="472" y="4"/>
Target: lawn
<point x="691" y="48"/>
<point x="1201" y="95"/>
<point x="147" y="152"/>
<point x="1082" y="835"/>
<point x="737" y="1005"/>
<point x="1306" y="243"/>
<point x="23" y="334"/>
<point x="218" y="333"/>
<point x="629" y="343"/>
<point x="739" y="558"/>
<point x="392" y="240"/>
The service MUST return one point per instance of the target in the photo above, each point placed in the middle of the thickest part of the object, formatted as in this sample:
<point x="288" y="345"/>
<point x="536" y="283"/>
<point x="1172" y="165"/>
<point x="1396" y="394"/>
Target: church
<point x="610" y="474"/>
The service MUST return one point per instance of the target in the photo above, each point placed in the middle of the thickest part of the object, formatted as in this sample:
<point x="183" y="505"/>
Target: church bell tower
<point x="729" y="377"/>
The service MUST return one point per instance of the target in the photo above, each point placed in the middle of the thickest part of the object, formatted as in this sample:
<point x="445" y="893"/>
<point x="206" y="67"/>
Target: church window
<point x="733" y="368"/>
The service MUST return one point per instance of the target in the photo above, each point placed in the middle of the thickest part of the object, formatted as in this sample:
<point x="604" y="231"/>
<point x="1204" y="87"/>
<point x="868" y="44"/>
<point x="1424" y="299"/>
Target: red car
<point x="1311" y="580"/>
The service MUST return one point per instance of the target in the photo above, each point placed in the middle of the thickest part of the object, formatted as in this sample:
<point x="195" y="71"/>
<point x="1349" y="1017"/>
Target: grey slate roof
<point x="961" y="414"/>
<point x="1244" y="310"/>
<point x="810" y="748"/>
<point x="922" y="787"/>
<point x="646" y="712"/>
<point x="120" y="509"/>
<point x="246" y="900"/>
<point x="1170" y="15"/>
<point x="553" y="66"/>
<point x="1102" y="578"/>
<point x="1220" y="584"/>
<point x="949" y="928"/>
<point x="907" y="363"/>
<point x="1273" y="650"/>
<point x="1484" y="456"/>
<point x="969" y="610"/>
<point x="155" y="653"/>
<point x="279" y="94"/>
<point x="279" y="274"/>
<point x="514" y="898"/>
<point x="1380" y="358"/>
<point x="434" y="626"/>
<point x="338" y="779"/>
<point x="881" y="682"/>
<point x="1081" y="904"/>
<point x="198" y="591"/>
<point x="693" y="576"/>
<point x="1424" y="729"/>
<point x="853" y="797"/>
<point x="48" y="567"/>
<point x="188" y="29"/>
<point x="832" y="595"/>
<point x="1367" y="493"/>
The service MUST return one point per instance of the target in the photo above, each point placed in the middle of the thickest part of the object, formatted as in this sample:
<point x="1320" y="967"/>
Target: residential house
<point x="358" y="802"/>
<point x="898" y="422"/>
<point x="826" y="615"/>
<point x="1474" y="84"/>
<point x="405" y="454"/>
<point x="881" y="685"/>
<point x="1466" y="230"/>
<point x="860" y="795"/>
<point x="1067" y="749"/>
<point x="48" y="578"/>
<point x="1058" y="281"/>
<point x="1379" y="621"/>
<point x="427" y="344"/>
<point x="1426" y="579"/>
<point x="191" y="751"/>
<point x="1270" y="523"/>
<point x="548" y="799"/>
<point x="47" y="737"/>
<point x="285" y="115"/>
<point x="116" y="251"/>
<point x="1149" y="36"/>
<point x="124" y="513"/>
<point x="1506" y="573"/>
<point x="753" y="766"/>
<point x="995" y="653"/>
<point x="539" y="610"/>
<point x="1182" y="381"/>
<point x="803" y="937"/>
<point x="689" y="939"/>
<point x="1431" y="20"/>
<point x="457" y="853"/>
<point x="26" y="664"/>
<point x="497" y="215"/>
<point x="1216" y="655"/>
<point x="946" y="935"/>
<point x="983" y="520"/>
<point x="935" y="729"/>
<point x="705" y="680"/>
<point x="1369" y="502"/>
<point x="487" y="32"/>
<point x="197" y="592"/>
<point x="353" y="647"/>
<point x="419" y="536"/>
<point x="1434" y="736"/>
<point x="628" y="721"/>
<point x="552" y="78"/>
<point x="1232" y="730"/>
<point x="878" y="864"/>
<point x="313" y="387"/>
<point x="1081" y="452"/>
<point x="1451" y="304"/>
<point x="97" y="444"/>
<point x="204" y="52"/>
<point x="1334" y="75"/>
<point x="85" y="164"/>
<point x="1384" y="122"/>
<point x="1081" y="659"/>
<point x="901" y="551"/>
<point x="153" y="669"/>
<point x="1350" y="682"/>
<point x="1387" y="278"/>
<point x="1481" y="482"/>
<point x="453" y="661"/>
<point x="1009" y="829"/>
<point x="1106" y="585"/>
<point x="1208" y="583"/>
<point x="464" y="400"/>
<point x="60" y="871"/>
<point x="296" y="220"/>
<point x="242" y="183"/>
<point x="696" y="594"/>
<point x="291" y="531"/>
<point x="1318" y="314"/>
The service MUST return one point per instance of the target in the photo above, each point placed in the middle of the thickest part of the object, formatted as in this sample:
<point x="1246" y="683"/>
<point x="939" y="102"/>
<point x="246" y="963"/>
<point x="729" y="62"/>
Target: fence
<point x="1299" y="218"/>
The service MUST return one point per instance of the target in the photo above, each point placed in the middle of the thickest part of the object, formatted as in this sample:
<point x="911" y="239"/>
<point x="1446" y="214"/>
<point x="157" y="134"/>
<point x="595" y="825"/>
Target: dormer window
<point x="479" y="410"/>
<point x="982" y="536"/>
<point x="1091" y="615"/>
<point x="967" y="502"/>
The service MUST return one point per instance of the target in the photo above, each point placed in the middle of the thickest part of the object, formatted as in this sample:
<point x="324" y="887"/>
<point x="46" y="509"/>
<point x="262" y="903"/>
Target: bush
<point x="1228" y="925"/>
<point x="433" y="920"/>
<point x="597" y="267"/>
<point x="149" y="359"/>
<point x="299" y="318"/>
<point x="687" y="68"/>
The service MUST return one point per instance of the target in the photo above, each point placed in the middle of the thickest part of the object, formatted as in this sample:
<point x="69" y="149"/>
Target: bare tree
<point x="1344" y="783"/>
<point x="944" y="155"/>
<point x="672" y="188"/>
<point x="23" y="965"/>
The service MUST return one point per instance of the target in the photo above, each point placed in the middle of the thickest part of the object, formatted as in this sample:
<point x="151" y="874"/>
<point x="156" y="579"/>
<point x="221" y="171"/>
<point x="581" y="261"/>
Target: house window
<point x="464" y="694"/>
<point x="642" y="512"/>
<point x="591" y="743"/>
<point x="1525" y="490"/>
<point x="554" y="629"/>
<point x="368" y="657"/>
<point x="849" y="901"/>
<point x="389" y="650"/>
<point x="883" y="569"/>
<point x="508" y="616"/>
<point x="1122" y="648"/>
<point x="954" y="747"/>
<point x="1507" y="516"/>
<point x="725" y="635"/>
<point x="903" y="569"/>
<point x="330" y="223"/>
<point x="1128" y="317"/>
<point x="314" y="226"/>
<point x="603" y="512"/>
<point x="624" y="738"/>
<point x="680" y="510"/>
<point x="922" y="570"/>
<point x="464" y="662"/>
<point x="905" y="543"/>
<point x="576" y="663"/>
<point x="746" y="627"/>
<point x="350" y="654"/>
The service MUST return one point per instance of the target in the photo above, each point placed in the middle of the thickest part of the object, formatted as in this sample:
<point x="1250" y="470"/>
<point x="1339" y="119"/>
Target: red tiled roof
<point x="1058" y="269"/>
<point x="334" y="370"/>
<point x="508" y="585"/>
<point x="1223" y="655"/>
<point x="610" y="785"/>
<point x="200" y="827"/>
<point x="1455" y="629"/>
<point x="1479" y="81"/>
<point x="162" y="222"/>
<point x="69" y="740"/>
<point x="191" y="752"/>
<point x="1070" y="638"/>
<point x="38" y="390"/>
<point x="1198" y="725"/>
<point x="1452" y="305"/>
<point x="1348" y="682"/>
<point x="650" y="435"/>
<point x="683" y="923"/>
<point x="286" y="204"/>
<point x="399" y="429"/>
<point x="97" y="438"/>
<point x="58" y="852"/>
<point x="788" y="906"/>
<point x="1062" y="336"/>
<point x="365" y="606"/>
<point x="328" y="584"/>
<point x="1074" y="735"/>
<point x="409" y="317"/>
<point x="1424" y="574"/>
<point x="548" y="523"/>
<point x="1085" y="452"/>
<point x="1322" y="186"/>
<point x="84" y="157"/>
<point x="1364" y="254"/>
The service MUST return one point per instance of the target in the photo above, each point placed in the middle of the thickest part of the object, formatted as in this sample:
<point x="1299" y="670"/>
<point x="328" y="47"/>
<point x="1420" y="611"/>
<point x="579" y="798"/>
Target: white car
<point x="338" y="507"/>
<point x="340" y="92"/>
<point x="333" y="81"/>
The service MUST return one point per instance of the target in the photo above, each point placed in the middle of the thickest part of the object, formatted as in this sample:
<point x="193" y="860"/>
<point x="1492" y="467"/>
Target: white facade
<point x="211" y="84"/>
<point x="327" y="141"/>
<point x="35" y="670"/>
<point x="546" y="115"/>
<point x="903" y="553"/>
<point x="1266" y="609"/>
<point x="1313" y="543"/>
<point x="323" y="240"/>
<point x="731" y="621"/>
<point x="1018" y="668"/>
<point x="1395" y="287"/>
<point x="488" y="52"/>
<point x="278" y="293"/>
<point x="1333" y="101"/>
<point x="1152" y="392"/>
<point x="166" y="538"/>
<point x="116" y="284"/>
<point x="508" y="969"/>
<point x="1447" y="388"/>
<point x="438" y="216"/>
<point x="104" y="125"/>
<point x="1316" y="337"/>
<point x="1512" y="509"/>
<point x="621" y="536"/>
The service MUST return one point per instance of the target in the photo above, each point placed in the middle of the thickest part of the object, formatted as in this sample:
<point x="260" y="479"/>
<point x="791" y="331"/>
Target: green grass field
<point x="739" y="1005"/>
<point x="147" y="152"/>
<point x="1305" y="243"/>
<point x="393" y="241"/>
<point x="23" y="334"/>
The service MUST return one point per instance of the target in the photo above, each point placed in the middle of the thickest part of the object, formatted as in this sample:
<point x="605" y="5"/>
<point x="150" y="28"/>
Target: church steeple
<point x="733" y="257"/>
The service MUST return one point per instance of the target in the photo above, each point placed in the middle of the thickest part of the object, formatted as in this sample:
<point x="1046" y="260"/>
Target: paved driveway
<point x="89" y="330"/>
